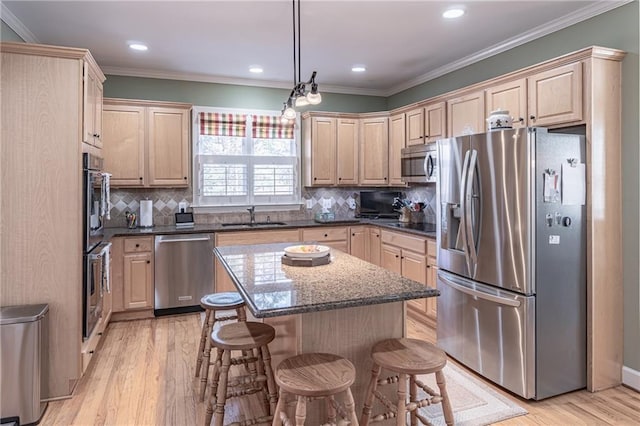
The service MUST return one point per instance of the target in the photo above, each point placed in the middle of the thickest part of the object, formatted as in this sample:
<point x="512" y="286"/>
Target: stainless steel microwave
<point x="419" y="163"/>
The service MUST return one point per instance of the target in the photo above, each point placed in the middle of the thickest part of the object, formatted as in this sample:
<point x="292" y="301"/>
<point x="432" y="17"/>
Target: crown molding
<point x="146" y="73"/>
<point x="540" y="31"/>
<point x="16" y="25"/>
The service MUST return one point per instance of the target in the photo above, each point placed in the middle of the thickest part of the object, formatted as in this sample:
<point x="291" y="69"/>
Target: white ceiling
<point x="402" y="43"/>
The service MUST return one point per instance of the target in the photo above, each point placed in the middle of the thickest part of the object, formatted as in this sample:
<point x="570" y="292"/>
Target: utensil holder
<point x="416" y="217"/>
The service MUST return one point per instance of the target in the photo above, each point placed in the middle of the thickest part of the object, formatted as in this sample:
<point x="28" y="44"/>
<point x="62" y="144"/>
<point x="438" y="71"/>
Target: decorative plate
<point x="307" y="250"/>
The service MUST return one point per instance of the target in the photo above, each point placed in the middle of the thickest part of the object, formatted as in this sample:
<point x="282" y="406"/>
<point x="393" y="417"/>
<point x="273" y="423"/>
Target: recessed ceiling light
<point x="453" y="13"/>
<point x="138" y="46"/>
<point x="359" y="68"/>
<point x="256" y="69"/>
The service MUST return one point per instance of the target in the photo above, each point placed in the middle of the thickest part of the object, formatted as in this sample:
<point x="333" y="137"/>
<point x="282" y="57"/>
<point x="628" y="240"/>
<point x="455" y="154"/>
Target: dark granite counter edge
<point x="277" y="312"/>
<point x="204" y="228"/>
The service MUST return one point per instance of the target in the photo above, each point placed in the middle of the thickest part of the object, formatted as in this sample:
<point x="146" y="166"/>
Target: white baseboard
<point x="631" y="378"/>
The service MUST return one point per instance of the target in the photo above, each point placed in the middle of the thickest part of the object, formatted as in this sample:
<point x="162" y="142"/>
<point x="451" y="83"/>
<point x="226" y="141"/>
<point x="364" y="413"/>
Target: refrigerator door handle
<point x="468" y="214"/>
<point x="479" y="294"/>
<point x="463" y="209"/>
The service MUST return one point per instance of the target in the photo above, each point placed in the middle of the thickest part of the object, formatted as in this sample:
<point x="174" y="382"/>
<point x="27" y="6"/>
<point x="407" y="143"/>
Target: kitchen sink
<point x="254" y="225"/>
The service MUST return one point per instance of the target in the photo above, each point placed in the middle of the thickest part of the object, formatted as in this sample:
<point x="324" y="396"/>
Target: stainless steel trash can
<point x="23" y="372"/>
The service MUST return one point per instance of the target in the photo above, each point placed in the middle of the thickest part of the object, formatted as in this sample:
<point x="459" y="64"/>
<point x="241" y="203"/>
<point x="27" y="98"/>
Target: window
<point x="244" y="159"/>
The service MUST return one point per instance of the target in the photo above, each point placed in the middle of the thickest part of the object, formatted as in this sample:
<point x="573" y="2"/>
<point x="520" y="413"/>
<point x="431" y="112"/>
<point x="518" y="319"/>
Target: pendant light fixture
<point x="303" y="92"/>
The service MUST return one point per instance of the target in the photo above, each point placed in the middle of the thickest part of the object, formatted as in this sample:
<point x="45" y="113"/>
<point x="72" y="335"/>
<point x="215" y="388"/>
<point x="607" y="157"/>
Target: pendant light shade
<point x="303" y="93"/>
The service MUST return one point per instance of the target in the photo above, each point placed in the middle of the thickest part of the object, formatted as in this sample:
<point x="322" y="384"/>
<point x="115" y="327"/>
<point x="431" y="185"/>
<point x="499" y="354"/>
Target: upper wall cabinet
<point x="415" y="126"/>
<point x="347" y="151"/>
<point x="466" y="114"/>
<point x="146" y="143"/>
<point x="555" y="96"/>
<point x="396" y="143"/>
<point x="374" y="150"/>
<point x="92" y="79"/>
<point x="330" y="150"/>
<point x="435" y="121"/>
<point x="510" y="96"/>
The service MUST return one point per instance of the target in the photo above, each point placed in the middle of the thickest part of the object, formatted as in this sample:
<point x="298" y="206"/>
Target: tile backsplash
<point x="165" y="204"/>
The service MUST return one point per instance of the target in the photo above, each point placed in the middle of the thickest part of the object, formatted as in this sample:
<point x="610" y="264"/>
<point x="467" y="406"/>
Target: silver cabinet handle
<point x="182" y="240"/>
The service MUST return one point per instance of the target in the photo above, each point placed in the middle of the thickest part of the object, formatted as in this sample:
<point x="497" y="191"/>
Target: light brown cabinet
<point x="330" y="150"/>
<point x="466" y="114"/>
<point x="510" y="96"/>
<point x="42" y="134"/>
<point x="435" y="121"/>
<point x="137" y="284"/>
<point x="92" y="105"/>
<point x="375" y="246"/>
<point x="555" y="96"/>
<point x="335" y="237"/>
<point x="347" y="151"/>
<point x="374" y="151"/>
<point x="415" y="127"/>
<point x="397" y="133"/>
<point x="146" y="143"/>
<point x="358" y="242"/>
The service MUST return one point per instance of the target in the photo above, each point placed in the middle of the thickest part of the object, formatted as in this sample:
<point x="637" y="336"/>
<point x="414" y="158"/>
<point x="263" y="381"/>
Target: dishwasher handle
<point x="182" y="240"/>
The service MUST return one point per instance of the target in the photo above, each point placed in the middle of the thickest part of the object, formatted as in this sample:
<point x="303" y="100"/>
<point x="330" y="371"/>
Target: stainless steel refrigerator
<point x="512" y="258"/>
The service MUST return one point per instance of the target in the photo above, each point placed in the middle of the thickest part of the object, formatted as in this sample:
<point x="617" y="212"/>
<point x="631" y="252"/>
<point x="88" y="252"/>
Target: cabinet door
<point x="397" y="133"/>
<point x="415" y="126"/>
<point x="414" y="266"/>
<point x="390" y="258"/>
<point x="347" y="151"/>
<point x="138" y="281"/>
<point x="123" y="149"/>
<point x="466" y="114"/>
<point x="168" y="146"/>
<point x="374" y="151"/>
<point x="510" y="96"/>
<point x="375" y="246"/>
<point x="555" y="96"/>
<point x="97" y="116"/>
<point x="323" y="151"/>
<point x="435" y="123"/>
<point x="88" y="104"/>
<point x="358" y="242"/>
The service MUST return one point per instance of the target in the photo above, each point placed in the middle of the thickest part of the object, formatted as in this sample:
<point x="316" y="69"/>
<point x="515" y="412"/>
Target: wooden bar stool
<point x="312" y="376"/>
<point x="408" y="358"/>
<point x="212" y="304"/>
<point x="252" y="339"/>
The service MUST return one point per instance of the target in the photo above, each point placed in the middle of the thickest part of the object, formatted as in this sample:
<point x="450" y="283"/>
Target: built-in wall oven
<point x="419" y="163"/>
<point x="95" y="208"/>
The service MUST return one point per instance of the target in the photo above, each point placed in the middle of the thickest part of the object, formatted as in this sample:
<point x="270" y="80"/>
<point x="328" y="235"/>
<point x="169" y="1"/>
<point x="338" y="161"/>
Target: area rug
<point x="473" y="402"/>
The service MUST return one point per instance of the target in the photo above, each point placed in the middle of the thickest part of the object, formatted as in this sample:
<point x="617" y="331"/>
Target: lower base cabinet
<point x="132" y="278"/>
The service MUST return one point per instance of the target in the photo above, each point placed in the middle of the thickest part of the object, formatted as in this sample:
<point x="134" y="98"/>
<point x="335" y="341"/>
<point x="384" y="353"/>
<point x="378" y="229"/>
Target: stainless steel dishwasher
<point x="183" y="272"/>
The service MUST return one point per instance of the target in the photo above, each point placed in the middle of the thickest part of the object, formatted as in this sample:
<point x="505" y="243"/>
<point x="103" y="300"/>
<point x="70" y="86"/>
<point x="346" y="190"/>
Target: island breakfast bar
<point x="343" y="307"/>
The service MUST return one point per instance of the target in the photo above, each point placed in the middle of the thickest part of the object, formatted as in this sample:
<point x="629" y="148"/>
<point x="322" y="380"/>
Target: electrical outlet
<point x="309" y="203"/>
<point x="326" y="203"/>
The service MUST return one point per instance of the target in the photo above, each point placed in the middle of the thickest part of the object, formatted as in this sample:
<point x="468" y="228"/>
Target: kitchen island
<point x="343" y="307"/>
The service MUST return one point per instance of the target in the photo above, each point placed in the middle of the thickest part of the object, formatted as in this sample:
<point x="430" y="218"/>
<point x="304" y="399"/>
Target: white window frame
<point x="236" y="204"/>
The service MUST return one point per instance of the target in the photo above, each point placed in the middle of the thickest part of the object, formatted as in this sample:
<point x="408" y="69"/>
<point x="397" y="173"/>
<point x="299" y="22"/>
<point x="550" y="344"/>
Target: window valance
<point x="271" y="127"/>
<point x="223" y="124"/>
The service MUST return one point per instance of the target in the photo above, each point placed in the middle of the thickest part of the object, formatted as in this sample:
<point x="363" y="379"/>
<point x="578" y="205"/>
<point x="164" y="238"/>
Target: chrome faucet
<point x="252" y="213"/>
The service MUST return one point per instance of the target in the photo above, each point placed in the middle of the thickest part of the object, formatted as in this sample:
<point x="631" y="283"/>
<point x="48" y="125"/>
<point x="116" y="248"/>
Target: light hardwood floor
<point x="143" y="375"/>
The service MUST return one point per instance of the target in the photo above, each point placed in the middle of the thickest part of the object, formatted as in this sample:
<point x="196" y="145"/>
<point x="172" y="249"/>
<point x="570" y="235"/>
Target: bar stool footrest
<point x="250" y="422"/>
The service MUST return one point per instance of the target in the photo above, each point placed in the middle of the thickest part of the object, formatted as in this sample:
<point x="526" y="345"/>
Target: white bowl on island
<point x="306" y="251"/>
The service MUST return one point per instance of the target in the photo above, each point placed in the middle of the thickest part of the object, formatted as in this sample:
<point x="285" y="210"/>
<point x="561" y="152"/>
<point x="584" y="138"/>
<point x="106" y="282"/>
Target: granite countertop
<point x="428" y="231"/>
<point x="272" y="289"/>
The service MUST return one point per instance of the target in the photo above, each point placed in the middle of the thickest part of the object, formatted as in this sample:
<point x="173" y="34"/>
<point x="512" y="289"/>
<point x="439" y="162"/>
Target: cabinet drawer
<point x="408" y="242"/>
<point x="136" y="245"/>
<point x="256" y="237"/>
<point x="324" y="234"/>
<point x="432" y="248"/>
